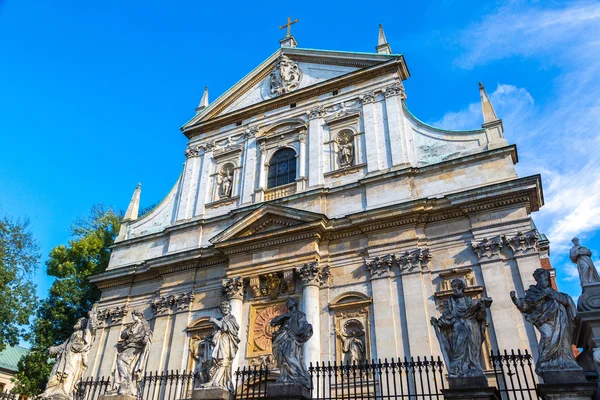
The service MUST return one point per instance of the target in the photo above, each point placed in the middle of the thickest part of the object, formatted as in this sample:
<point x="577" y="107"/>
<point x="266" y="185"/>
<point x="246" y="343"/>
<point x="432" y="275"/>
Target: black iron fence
<point x="410" y="379"/>
<point x="514" y="374"/>
<point x="394" y="379"/>
<point x="6" y="395"/>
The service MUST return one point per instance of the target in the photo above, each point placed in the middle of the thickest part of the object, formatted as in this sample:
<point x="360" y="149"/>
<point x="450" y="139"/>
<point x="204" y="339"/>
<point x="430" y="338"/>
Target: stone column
<point x="249" y="183"/>
<point x="233" y="288"/>
<point x="373" y="134"/>
<point x="383" y="315"/>
<point x="395" y="121"/>
<point x="189" y="183"/>
<point x="262" y="161"/>
<point x="315" y="147"/>
<point x="203" y="186"/>
<point x="498" y="285"/>
<point x="312" y="276"/>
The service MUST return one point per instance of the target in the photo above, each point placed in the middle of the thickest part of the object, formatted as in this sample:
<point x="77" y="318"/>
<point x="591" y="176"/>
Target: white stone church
<point x="311" y="178"/>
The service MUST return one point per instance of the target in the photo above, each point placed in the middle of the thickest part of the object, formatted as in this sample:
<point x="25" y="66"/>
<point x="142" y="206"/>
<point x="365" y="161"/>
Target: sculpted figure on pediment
<point x="285" y="77"/>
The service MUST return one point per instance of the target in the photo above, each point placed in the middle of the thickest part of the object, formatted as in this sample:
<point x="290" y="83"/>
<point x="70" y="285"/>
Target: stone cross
<point x="289" y="25"/>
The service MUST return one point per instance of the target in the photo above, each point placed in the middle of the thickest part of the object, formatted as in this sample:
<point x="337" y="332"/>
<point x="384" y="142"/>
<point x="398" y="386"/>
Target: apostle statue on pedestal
<point x="225" y="342"/>
<point x="132" y="353"/>
<point x="461" y="331"/>
<point x="294" y="330"/>
<point x="553" y="314"/>
<point x="71" y="360"/>
<point x="582" y="256"/>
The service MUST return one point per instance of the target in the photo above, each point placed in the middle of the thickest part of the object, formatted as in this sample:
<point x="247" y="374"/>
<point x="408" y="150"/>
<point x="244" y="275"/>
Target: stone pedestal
<point x="280" y="391"/>
<point x="587" y="335"/>
<point x="212" y="393"/>
<point x="472" y="387"/>
<point x="117" y="397"/>
<point x="564" y="391"/>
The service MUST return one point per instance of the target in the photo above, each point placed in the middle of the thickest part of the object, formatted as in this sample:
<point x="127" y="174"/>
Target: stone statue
<point x="553" y="314"/>
<point x="201" y="349"/>
<point x="582" y="256"/>
<point x="461" y="331"/>
<point x="293" y="332"/>
<point x="352" y="342"/>
<point x="225" y="183"/>
<point x="346" y="149"/>
<point x="225" y="341"/>
<point x="132" y="353"/>
<point x="71" y="359"/>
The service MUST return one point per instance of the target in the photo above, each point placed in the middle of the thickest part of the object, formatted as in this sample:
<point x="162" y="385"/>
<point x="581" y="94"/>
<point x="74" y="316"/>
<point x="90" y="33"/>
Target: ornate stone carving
<point x="397" y="89"/>
<point x="418" y="258"/>
<point x="523" y="243"/>
<point x="352" y="340"/>
<point x="233" y="288"/>
<point x="132" y="354"/>
<point x="264" y="361"/>
<point x="487" y="249"/>
<point x="380" y="267"/>
<point x="366" y="98"/>
<point x="262" y="329"/>
<point x="191" y="151"/>
<point x="313" y="274"/>
<point x="285" y="77"/>
<point x="288" y="343"/>
<point x="288" y="281"/>
<point x="250" y="132"/>
<point x="225" y="181"/>
<point x="165" y="304"/>
<point x="553" y="314"/>
<point x="272" y="286"/>
<point x="461" y="332"/>
<point x="255" y="286"/>
<point x="302" y="136"/>
<point x="71" y="359"/>
<point x="317" y="112"/>
<point x="201" y="350"/>
<point x="582" y="256"/>
<point x="112" y="315"/>
<point x="345" y="142"/>
<point x="225" y="340"/>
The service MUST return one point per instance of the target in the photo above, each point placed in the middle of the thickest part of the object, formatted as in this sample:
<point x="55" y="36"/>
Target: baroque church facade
<point x="310" y="178"/>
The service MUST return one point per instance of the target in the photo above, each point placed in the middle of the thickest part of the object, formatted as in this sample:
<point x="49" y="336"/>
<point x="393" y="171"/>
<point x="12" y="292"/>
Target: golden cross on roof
<point x="289" y="25"/>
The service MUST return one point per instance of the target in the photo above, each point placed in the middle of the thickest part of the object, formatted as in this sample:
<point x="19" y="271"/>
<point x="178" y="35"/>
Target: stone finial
<point x="313" y="274"/>
<point x="382" y="45"/>
<point x="489" y="115"/>
<point x="487" y="249"/>
<point x="379" y="267"/>
<point x="523" y="243"/>
<point x="233" y="288"/>
<point x="204" y="101"/>
<point x="131" y="214"/>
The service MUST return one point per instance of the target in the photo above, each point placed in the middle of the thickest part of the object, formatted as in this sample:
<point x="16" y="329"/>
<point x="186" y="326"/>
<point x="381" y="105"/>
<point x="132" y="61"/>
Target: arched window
<point x="282" y="168"/>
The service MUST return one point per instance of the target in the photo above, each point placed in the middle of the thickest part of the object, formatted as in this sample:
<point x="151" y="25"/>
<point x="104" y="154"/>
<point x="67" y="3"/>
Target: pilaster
<point x="233" y="289"/>
<point x="189" y="184"/>
<point x="395" y="122"/>
<point x="373" y="134"/>
<point x="203" y="186"/>
<point x="249" y="170"/>
<point x="315" y="147"/>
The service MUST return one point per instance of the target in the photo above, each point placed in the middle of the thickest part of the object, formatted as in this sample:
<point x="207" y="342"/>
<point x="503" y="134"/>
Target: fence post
<point x="470" y="388"/>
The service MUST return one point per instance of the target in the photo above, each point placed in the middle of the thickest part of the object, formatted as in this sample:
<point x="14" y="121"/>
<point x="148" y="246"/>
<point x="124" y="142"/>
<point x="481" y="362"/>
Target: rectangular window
<point x="334" y="93"/>
<point x="293" y="105"/>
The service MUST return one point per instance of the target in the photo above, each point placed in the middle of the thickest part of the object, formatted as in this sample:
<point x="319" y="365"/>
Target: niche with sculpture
<point x="351" y="326"/>
<point x="200" y="336"/>
<point x="345" y="148"/>
<point x="225" y="181"/>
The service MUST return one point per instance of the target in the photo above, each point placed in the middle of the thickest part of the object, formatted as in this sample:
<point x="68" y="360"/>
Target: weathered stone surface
<point x="567" y="391"/>
<point x="470" y="382"/>
<point x="212" y="393"/>
<point x="117" y="397"/>
<point x="469" y="393"/>
<point x="281" y="391"/>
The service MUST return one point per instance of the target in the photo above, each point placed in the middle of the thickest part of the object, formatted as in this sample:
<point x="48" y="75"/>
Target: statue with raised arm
<point x="582" y="256"/>
<point x="294" y="330"/>
<point x="71" y="359"/>
<point x="353" y="347"/>
<point x="132" y="354"/>
<point x="225" y="342"/>
<point x="461" y="332"/>
<point x="553" y="314"/>
<point x="201" y="350"/>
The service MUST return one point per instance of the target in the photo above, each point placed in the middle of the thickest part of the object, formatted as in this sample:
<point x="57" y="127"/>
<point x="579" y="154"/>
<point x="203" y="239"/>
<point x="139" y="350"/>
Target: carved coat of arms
<point x="285" y="76"/>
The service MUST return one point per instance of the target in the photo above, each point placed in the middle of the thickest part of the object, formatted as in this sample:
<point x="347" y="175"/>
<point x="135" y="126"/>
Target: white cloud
<point x="569" y="273"/>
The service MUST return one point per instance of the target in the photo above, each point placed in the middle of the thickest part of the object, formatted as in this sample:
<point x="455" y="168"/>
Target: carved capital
<point x="233" y="288"/>
<point x="302" y="137"/>
<point x="380" y="267"/>
<point x="191" y="151"/>
<point x="110" y="316"/>
<point x="255" y="286"/>
<point x="397" y="89"/>
<point x="523" y="243"/>
<point x="184" y="301"/>
<point x="250" y="132"/>
<point x="487" y="249"/>
<point x="175" y="302"/>
<point x="317" y="112"/>
<point x="313" y="274"/>
<point x="418" y="258"/>
<point x="367" y="98"/>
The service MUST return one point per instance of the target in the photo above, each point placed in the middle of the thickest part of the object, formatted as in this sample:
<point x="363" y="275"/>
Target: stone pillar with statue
<point x="461" y="331"/>
<point x="553" y="314"/>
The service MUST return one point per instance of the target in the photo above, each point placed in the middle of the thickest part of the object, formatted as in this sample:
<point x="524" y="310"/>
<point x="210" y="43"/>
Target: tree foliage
<point x="71" y="295"/>
<point x="19" y="257"/>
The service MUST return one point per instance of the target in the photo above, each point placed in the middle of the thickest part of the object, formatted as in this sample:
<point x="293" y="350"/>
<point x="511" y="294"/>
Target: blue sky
<point x="92" y="94"/>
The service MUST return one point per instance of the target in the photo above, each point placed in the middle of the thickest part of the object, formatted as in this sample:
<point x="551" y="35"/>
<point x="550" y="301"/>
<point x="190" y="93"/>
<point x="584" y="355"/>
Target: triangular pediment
<point x="308" y="67"/>
<point x="266" y="219"/>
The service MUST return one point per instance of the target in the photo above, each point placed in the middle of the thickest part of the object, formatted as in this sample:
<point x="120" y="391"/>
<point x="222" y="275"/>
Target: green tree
<point x="71" y="294"/>
<point x="19" y="257"/>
